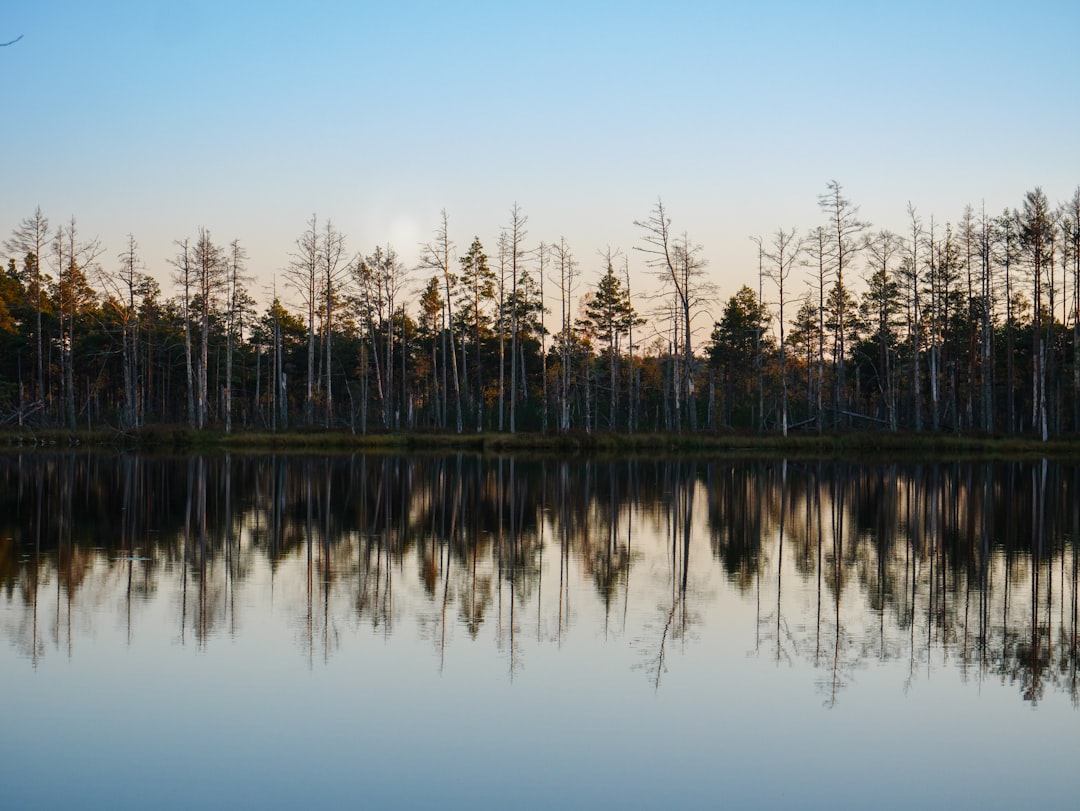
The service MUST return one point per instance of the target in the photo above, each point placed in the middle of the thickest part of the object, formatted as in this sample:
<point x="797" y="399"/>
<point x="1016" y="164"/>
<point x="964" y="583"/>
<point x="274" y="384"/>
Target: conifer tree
<point x="477" y="281"/>
<point x="610" y="314"/>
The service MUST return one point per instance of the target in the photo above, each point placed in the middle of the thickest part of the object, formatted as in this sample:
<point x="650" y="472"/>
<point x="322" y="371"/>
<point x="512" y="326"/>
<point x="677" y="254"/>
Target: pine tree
<point x="610" y="315"/>
<point x="477" y="290"/>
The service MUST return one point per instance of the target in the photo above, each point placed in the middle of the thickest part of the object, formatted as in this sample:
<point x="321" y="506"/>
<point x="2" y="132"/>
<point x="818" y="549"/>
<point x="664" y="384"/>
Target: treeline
<point x="965" y="327"/>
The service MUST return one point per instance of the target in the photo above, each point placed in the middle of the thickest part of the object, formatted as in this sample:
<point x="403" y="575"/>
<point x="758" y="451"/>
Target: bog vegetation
<point x="962" y="327"/>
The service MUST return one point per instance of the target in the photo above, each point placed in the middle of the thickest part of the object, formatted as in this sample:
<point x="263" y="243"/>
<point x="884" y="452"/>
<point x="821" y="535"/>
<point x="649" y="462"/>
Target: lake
<point x="483" y="632"/>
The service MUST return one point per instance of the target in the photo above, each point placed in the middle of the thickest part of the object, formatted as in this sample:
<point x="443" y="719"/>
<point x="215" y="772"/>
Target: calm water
<point x="375" y="631"/>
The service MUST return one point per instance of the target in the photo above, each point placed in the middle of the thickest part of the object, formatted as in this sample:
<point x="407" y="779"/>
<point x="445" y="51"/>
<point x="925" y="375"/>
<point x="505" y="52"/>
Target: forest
<point x="966" y="327"/>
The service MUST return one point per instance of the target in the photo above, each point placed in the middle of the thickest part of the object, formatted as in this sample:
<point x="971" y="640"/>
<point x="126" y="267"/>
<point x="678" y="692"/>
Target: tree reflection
<point x="843" y="566"/>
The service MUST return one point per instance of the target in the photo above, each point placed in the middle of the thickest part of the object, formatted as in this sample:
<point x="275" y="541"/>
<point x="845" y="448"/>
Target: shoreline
<point x="859" y="445"/>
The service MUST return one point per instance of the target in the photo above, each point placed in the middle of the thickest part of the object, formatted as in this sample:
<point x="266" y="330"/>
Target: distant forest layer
<point x="970" y="328"/>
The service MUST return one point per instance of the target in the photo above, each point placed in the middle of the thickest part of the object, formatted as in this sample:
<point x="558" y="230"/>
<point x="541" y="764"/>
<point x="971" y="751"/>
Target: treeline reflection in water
<point x="838" y="565"/>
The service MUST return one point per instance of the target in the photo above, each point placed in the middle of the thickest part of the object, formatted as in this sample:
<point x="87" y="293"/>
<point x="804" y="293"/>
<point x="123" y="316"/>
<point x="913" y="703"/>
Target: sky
<point x="155" y="119"/>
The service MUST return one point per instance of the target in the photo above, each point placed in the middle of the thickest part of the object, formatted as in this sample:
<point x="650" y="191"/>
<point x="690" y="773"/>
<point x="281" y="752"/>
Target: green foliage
<point x="738" y="344"/>
<point x="925" y="341"/>
<point x="609" y="313"/>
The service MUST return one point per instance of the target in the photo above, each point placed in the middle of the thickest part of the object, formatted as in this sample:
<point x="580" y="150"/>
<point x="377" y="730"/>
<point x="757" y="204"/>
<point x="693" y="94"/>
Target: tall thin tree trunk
<point x="405" y="402"/>
<point x="189" y="369"/>
<point x="281" y="382"/>
<point x="1010" y="346"/>
<point x="502" y="329"/>
<point x="676" y="373"/>
<point x="68" y="358"/>
<point x="1076" y="334"/>
<point x="630" y="404"/>
<point x="758" y="365"/>
<point x="513" y="340"/>
<point x="258" y="385"/>
<point x="329" y="355"/>
<point x="391" y="411"/>
<point x="229" y="373"/>
<point x="363" y="388"/>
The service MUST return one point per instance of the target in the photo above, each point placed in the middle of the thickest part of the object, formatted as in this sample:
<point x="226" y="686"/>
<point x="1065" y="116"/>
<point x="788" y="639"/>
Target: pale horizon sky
<point x="155" y="118"/>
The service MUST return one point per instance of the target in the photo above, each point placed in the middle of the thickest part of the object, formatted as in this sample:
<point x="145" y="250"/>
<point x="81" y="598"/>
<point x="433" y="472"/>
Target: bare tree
<point x="302" y="275"/>
<point x="542" y="254"/>
<point x="818" y="259"/>
<point x="784" y="253"/>
<point x="210" y="276"/>
<point x="28" y="239"/>
<point x="909" y="275"/>
<point x="504" y="253"/>
<point x="1070" y="224"/>
<point x="986" y="313"/>
<point x="333" y="269"/>
<point x="942" y="265"/>
<point x="678" y="264"/>
<point x="1036" y="236"/>
<point x="969" y="240"/>
<point x="567" y="274"/>
<point x="759" y="367"/>
<point x="235" y="295"/>
<point x="845" y="229"/>
<point x="75" y="260"/>
<point x="184" y="277"/>
<point x="933" y="323"/>
<point x="379" y="278"/>
<point x="516" y="234"/>
<point x="122" y="285"/>
<point x="436" y="256"/>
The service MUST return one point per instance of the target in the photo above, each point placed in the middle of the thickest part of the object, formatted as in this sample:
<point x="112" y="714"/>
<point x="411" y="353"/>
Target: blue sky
<point x="157" y="118"/>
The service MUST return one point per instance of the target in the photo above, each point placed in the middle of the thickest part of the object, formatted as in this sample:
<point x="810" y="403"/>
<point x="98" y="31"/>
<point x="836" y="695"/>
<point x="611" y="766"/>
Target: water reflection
<point x="844" y="567"/>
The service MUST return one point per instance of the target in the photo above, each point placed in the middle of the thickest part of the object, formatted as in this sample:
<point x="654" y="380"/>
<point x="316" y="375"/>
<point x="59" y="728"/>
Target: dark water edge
<point x="869" y="445"/>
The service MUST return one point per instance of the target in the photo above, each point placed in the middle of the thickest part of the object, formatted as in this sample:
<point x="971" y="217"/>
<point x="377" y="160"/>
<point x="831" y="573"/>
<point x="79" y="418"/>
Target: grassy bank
<point x="851" y="445"/>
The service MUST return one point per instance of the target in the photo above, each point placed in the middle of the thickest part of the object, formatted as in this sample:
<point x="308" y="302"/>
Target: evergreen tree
<point x="732" y="350"/>
<point x="609" y="315"/>
<point x="476" y="284"/>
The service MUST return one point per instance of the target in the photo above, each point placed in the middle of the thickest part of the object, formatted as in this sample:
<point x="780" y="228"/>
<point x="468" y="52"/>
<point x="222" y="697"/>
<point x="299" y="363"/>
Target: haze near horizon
<point x="155" y="119"/>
